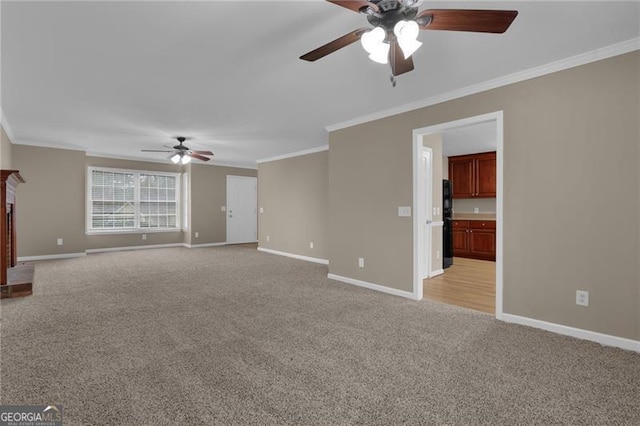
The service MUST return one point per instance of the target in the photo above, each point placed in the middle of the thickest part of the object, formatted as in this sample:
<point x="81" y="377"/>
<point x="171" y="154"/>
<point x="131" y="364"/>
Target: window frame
<point x="136" y="229"/>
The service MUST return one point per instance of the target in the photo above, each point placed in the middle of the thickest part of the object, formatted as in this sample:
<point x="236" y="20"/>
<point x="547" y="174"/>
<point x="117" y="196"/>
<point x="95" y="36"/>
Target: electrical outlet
<point x="59" y="241"/>
<point x="223" y="208"/>
<point x="311" y="245"/>
<point x="582" y="298"/>
<point x="197" y="234"/>
<point x="268" y="238"/>
<point x="476" y="210"/>
<point x="361" y="262"/>
<point x="261" y="209"/>
<point x="144" y="236"/>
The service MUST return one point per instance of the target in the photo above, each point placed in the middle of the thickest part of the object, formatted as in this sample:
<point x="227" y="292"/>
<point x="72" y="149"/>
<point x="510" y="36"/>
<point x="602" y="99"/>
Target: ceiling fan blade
<point x="198" y="156"/>
<point x="479" y="21"/>
<point x="202" y="152"/>
<point x="334" y="45"/>
<point x="154" y="150"/>
<point x="355" y="5"/>
<point x="399" y="65"/>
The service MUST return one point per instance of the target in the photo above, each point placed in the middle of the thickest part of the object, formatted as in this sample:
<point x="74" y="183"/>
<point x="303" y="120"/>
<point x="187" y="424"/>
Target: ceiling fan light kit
<point x="181" y="153"/>
<point x="397" y="24"/>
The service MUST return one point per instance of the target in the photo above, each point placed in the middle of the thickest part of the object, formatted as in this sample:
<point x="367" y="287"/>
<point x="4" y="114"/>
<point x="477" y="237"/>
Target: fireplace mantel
<point x="15" y="279"/>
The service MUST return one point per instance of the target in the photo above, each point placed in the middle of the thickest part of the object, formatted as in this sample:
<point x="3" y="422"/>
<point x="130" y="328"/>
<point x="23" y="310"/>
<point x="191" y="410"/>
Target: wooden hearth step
<point x="20" y="281"/>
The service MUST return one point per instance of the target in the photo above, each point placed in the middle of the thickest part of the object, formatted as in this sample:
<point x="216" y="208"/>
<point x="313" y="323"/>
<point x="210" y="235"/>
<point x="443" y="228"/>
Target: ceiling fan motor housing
<point x="391" y="12"/>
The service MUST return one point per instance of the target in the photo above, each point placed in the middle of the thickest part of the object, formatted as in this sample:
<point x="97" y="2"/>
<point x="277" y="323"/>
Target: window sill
<point x="131" y="231"/>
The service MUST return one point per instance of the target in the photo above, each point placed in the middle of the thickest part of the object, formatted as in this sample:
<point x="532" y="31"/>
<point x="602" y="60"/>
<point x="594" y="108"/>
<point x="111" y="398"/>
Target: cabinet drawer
<point x="460" y="224"/>
<point x="482" y="224"/>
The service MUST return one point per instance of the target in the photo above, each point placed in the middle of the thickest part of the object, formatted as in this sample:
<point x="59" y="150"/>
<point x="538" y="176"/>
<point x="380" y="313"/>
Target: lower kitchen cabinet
<point x="474" y="239"/>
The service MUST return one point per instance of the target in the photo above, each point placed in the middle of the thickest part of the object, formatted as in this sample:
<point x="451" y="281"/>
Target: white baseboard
<point x="377" y="287"/>
<point x="295" y="256"/>
<point x="150" y="246"/>
<point x="205" y="245"/>
<point x="603" y="339"/>
<point x="50" y="257"/>
<point x="436" y="273"/>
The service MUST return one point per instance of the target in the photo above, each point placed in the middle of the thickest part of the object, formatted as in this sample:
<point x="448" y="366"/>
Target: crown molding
<point x="294" y="154"/>
<point x="6" y="127"/>
<point x="147" y="160"/>
<point x="563" y="64"/>
<point x="41" y="144"/>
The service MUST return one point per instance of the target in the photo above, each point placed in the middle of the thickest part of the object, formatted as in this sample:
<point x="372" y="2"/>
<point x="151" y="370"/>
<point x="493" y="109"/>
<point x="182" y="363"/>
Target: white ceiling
<point x="117" y="77"/>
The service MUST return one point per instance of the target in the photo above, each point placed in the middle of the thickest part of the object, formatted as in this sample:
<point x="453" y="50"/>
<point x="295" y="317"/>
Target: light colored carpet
<point x="231" y="335"/>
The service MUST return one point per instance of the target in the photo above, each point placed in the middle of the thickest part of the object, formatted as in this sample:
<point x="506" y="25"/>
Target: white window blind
<point x="132" y="200"/>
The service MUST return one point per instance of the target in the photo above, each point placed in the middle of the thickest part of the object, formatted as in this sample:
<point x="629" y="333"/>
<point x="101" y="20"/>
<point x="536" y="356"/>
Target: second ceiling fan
<point x="397" y="24"/>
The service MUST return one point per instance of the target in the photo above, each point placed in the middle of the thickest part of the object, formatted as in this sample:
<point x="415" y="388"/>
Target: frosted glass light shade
<point x="407" y="34"/>
<point x="185" y="159"/>
<point x="373" y="42"/>
<point x="176" y="158"/>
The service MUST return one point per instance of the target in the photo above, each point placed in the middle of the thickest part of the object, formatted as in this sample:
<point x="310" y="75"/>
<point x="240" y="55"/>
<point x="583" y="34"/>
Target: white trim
<point x="133" y="158"/>
<point x="563" y="64"/>
<point x="499" y="214"/>
<point x="603" y="339"/>
<point x="137" y="229"/>
<point x="205" y="245"/>
<point x="165" y="161"/>
<point x="498" y="117"/>
<point x="6" y="127"/>
<point x="294" y="154"/>
<point x="295" y="256"/>
<point x="50" y="145"/>
<point x="371" y="286"/>
<point x="50" y="257"/>
<point x="150" y="246"/>
<point x="435" y="224"/>
<point x="436" y="273"/>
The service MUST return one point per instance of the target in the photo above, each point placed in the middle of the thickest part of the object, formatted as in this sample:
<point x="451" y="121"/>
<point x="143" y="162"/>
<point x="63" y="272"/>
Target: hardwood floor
<point x="469" y="283"/>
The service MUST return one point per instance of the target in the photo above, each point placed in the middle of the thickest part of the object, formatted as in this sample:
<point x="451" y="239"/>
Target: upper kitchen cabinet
<point x="473" y="176"/>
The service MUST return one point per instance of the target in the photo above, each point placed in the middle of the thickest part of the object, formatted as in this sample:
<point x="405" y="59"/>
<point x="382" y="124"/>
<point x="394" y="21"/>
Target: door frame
<point x="425" y="218"/>
<point x="498" y="118"/>
<point x="226" y="213"/>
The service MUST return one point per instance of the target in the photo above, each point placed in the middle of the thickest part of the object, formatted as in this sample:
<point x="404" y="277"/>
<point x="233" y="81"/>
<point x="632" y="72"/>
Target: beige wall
<point x="467" y="205"/>
<point x="571" y="142"/>
<point x="435" y="143"/>
<point x="208" y="195"/>
<point x="293" y="193"/>
<point x="5" y="150"/>
<point x="51" y="203"/>
<point x="445" y="167"/>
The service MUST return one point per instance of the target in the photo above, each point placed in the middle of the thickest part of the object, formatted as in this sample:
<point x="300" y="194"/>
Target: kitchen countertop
<point x="474" y="216"/>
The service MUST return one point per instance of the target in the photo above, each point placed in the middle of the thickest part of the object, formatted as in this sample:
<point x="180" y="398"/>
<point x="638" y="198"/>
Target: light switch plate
<point x="261" y="209"/>
<point x="223" y="208"/>
<point x="404" y="211"/>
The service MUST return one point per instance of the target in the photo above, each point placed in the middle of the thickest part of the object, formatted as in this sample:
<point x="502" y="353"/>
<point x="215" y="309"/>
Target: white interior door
<point x="242" y="209"/>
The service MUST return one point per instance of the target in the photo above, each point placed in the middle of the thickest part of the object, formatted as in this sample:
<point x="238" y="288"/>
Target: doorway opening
<point x="479" y="214"/>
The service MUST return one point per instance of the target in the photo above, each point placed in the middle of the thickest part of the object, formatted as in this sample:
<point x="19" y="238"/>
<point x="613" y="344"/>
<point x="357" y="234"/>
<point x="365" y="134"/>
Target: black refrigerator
<point x="447" y="235"/>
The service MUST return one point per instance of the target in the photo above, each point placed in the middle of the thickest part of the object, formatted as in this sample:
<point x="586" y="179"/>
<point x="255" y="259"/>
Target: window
<point x="129" y="200"/>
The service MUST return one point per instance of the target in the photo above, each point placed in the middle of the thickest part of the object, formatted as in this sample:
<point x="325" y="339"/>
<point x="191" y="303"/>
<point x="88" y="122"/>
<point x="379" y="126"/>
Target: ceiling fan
<point x="181" y="153"/>
<point x="397" y="24"/>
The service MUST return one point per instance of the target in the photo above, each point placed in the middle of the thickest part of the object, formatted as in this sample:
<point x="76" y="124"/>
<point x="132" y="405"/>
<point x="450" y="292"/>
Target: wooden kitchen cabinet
<point x="474" y="175"/>
<point x="475" y="239"/>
